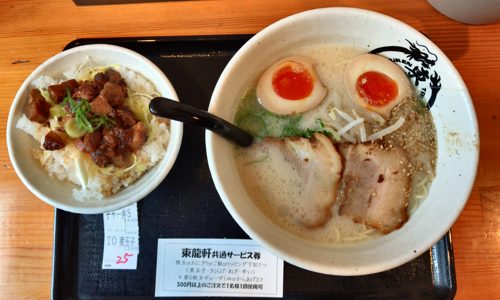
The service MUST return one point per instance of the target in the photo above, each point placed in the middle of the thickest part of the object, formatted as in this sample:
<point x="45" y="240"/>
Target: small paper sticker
<point x="217" y="267"/>
<point x="121" y="239"/>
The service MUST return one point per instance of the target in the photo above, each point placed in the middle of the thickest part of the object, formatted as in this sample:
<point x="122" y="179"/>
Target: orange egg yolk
<point x="293" y="82"/>
<point x="376" y="89"/>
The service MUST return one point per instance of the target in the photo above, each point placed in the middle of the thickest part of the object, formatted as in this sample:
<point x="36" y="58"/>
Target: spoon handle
<point x="167" y="108"/>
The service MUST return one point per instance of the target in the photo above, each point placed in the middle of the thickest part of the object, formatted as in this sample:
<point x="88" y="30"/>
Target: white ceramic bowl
<point x="452" y="110"/>
<point x="59" y="193"/>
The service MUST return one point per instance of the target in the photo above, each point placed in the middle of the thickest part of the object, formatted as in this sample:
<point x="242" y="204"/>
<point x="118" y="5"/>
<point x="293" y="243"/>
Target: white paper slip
<point x="217" y="267"/>
<point x="121" y="239"/>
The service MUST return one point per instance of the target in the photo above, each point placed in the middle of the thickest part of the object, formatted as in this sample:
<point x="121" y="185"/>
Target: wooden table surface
<point x="33" y="30"/>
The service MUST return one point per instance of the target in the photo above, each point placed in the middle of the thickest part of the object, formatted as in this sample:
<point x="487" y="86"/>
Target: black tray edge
<point x="55" y="251"/>
<point x="444" y="275"/>
<point x="152" y="39"/>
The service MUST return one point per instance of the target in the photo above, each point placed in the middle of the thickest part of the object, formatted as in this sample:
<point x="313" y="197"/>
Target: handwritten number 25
<point x="125" y="258"/>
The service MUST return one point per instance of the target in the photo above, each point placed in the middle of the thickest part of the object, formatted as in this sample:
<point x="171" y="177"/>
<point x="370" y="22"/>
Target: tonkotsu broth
<point x="275" y="186"/>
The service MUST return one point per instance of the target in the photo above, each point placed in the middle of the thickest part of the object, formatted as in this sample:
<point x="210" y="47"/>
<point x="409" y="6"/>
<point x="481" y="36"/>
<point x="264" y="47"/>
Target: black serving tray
<point x="186" y="205"/>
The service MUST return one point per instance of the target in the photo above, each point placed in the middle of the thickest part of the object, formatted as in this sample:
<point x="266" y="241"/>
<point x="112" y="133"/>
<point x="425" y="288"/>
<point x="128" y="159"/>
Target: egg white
<point x="271" y="101"/>
<point x="372" y="62"/>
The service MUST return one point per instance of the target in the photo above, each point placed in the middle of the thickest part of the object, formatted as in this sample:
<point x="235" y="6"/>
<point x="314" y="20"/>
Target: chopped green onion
<point x="252" y="123"/>
<point x="82" y="111"/>
<point x="260" y="123"/>
<point x="99" y="120"/>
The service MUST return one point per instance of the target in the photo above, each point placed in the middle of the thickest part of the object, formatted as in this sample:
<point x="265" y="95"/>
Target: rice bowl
<point x="83" y="189"/>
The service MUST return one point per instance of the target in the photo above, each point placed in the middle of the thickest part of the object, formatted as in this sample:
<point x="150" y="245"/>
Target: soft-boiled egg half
<point x="290" y="86"/>
<point x="376" y="83"/>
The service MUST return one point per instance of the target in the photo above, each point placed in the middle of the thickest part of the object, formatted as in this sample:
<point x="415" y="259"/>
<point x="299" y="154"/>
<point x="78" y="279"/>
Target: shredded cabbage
<point x="112" y="170"/>
<point x="81" y="168"/>
<point x="45" y="155"/>
<point x="139" y="105"/>
<point x="93" y="71"/>
<point x="45" y="94"/>
<point x="85" y="72"/>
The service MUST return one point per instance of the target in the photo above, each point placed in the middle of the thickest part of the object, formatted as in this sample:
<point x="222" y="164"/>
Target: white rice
<point x="72" y="165"/>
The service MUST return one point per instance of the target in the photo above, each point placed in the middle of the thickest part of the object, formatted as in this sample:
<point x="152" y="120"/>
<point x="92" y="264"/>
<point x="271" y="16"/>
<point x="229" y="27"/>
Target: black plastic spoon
<point x="168" y="108"/>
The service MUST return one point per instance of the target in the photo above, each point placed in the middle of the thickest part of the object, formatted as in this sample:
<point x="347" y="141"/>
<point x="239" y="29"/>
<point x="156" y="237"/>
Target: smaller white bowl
<point x="59" y="193"/>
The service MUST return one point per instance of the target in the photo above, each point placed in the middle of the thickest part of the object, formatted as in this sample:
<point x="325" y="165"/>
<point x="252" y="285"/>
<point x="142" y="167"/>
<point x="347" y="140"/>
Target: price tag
<point x="217" y="267"/>
<point x="121" y="239"/>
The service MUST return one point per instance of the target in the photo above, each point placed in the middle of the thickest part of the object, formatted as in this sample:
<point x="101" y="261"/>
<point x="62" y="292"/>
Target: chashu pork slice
<point x="319" y="166"/>
<point x="376" y="186"/>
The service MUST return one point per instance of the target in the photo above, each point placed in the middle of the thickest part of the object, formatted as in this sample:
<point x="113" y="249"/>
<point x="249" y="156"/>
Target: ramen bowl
<point x="60" y="193"/>
<point x="438" y="84"/>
